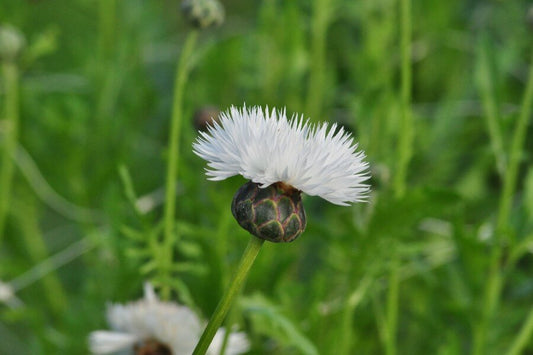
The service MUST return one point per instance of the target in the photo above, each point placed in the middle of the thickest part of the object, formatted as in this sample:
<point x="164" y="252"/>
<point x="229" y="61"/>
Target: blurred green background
<point x="438" y="262"/>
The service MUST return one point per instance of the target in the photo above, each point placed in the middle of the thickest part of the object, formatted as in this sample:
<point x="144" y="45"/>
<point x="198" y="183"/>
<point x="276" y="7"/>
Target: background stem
<point x="405" y="139"/>
<point x="495" y="280"/>
<point x="523" y="336"/>
<point x="10" y="137"/>
<point x="322" y="11"/>
<point x="182" y="72"/>
<point x="405" y="150"/>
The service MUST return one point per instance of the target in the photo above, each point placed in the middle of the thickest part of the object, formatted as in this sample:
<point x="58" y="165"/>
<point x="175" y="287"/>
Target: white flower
<point x="150" y="320"/>
<point x="266" y="147"/>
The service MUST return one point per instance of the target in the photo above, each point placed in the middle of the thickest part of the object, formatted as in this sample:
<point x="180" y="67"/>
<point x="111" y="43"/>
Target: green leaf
<point x="268" y="320"/>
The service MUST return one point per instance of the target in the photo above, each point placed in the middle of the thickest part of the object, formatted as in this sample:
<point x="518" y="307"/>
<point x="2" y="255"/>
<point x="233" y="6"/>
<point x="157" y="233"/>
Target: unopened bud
<point x="205" y="117"/>
<point x="273" y="213"/>
<point x="203" y="13"/>
<point x="11" y="43"/>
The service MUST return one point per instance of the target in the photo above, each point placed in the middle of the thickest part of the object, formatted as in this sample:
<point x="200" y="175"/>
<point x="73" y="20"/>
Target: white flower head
<point x="151" y="321"/>
<point x="266" y="147"/>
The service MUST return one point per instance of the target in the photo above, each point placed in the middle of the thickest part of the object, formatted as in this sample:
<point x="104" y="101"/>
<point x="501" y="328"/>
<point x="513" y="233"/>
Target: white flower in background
<point x="6" y="292"/>
<point x="267" y="148"/>
<point x="151" y="326"/>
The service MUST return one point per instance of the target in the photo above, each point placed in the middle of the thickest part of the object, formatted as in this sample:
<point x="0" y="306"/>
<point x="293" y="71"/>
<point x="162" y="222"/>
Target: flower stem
<point x="485" y="80"/>
<point x="405" y="150"/>
<point x="247" y="259"/>
<point x="182" y="72"/>
<point x="405" y="139"/>
<point x="495" y="278"/>
<point x="10" y="137"/>
<point x="392" y="307"/>
<point x="523" y="336"/>
<point x="322" y="12"/>
<point x="106" y="27"/>
<point x="517" y="143"/>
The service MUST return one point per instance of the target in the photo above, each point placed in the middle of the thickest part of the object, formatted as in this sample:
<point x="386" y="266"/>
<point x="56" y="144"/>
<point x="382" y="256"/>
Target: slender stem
<point x="26" y="215"/>
<point x="523" y="336"/>
<point x="182" y="72"/>
<point x="346" y="338"/>
<point x="405" y="139"/>
<point x="247" y="259"/>
<point x="230" y="320"/>
<point x="405" y="149"/>
<point x="517" y="144"/>
<point x="322" y="10"/>
<point x="490" y="300"/>
<point x="107" y="14"/>
<point x="52" y="263"/>
<point x="392" y="307"/>
<point x="488" y="98"/>
<point x="495" y="278"/>
<point x="10" y="137"/>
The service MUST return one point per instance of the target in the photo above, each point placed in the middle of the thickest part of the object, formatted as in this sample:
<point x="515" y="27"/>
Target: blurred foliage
<point x="95" y="97"/>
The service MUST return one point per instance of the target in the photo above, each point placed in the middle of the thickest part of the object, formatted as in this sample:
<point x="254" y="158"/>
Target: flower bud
<point x="11" y="43"/>
<point x="274" y="213"/>
<point x="203" y="13"/>
<point x="205" y="117"/>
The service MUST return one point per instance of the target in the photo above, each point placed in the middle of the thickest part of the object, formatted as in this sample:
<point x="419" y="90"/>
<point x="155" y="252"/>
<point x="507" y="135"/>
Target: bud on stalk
<point x="274" y="213"/>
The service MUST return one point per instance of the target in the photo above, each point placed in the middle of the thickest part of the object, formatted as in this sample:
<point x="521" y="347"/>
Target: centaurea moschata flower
<point x="282" y="158"/>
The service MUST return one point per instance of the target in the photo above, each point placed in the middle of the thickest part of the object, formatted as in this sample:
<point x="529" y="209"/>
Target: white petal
<point x="106" y="342"/>
<point x="266" y="147"/>
<point x="150" y="318"/>
<point x="6" y="292"/>
<point x="149" y="293"/>
<point x="237" y="343"/>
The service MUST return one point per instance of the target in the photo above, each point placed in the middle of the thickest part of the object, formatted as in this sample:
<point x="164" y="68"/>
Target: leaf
<point x="268" y="320"/>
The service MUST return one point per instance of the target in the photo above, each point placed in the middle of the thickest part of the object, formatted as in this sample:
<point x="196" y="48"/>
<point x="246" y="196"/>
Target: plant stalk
<point x="10" y="137"/>
<point x="182" y="72"/>
<point x="405" y="139"/>
<point x="247" y="260"/>
<point x="495" y="278"/>
<point x="392" y="306"/>
<point x="322" y="12"/>
<point x="522" y="338"/>
<point x="488" y="98"/>
<point x="405" y="151"/>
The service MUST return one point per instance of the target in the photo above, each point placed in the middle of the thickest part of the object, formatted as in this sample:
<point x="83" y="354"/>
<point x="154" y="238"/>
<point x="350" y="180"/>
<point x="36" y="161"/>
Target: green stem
<point x="10" y="137"/>
<point x="405" y="150"/>
<point x="392" y="307"/>
<point x="107" y="15"/>
<point x="25" y="213"/>
<point x="495" y="278"/>
<point x="322" y="11"/>
<point x="488" y="97"/>
<point x="229" y="323"/>
<point x="346" y="336"/>
<point x="517" y="143"/>
<point x="405" y="139"/>
<point x="523" y="336"/>
<point x="247" y="259"/>
<point x="182" y="72"/>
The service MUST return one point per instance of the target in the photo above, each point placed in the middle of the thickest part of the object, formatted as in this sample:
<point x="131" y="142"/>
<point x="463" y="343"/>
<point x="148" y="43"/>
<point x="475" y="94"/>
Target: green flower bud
<point x="11" y="43"/>
<point x="203" y="13"/>
<point x="274" y="213"/>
